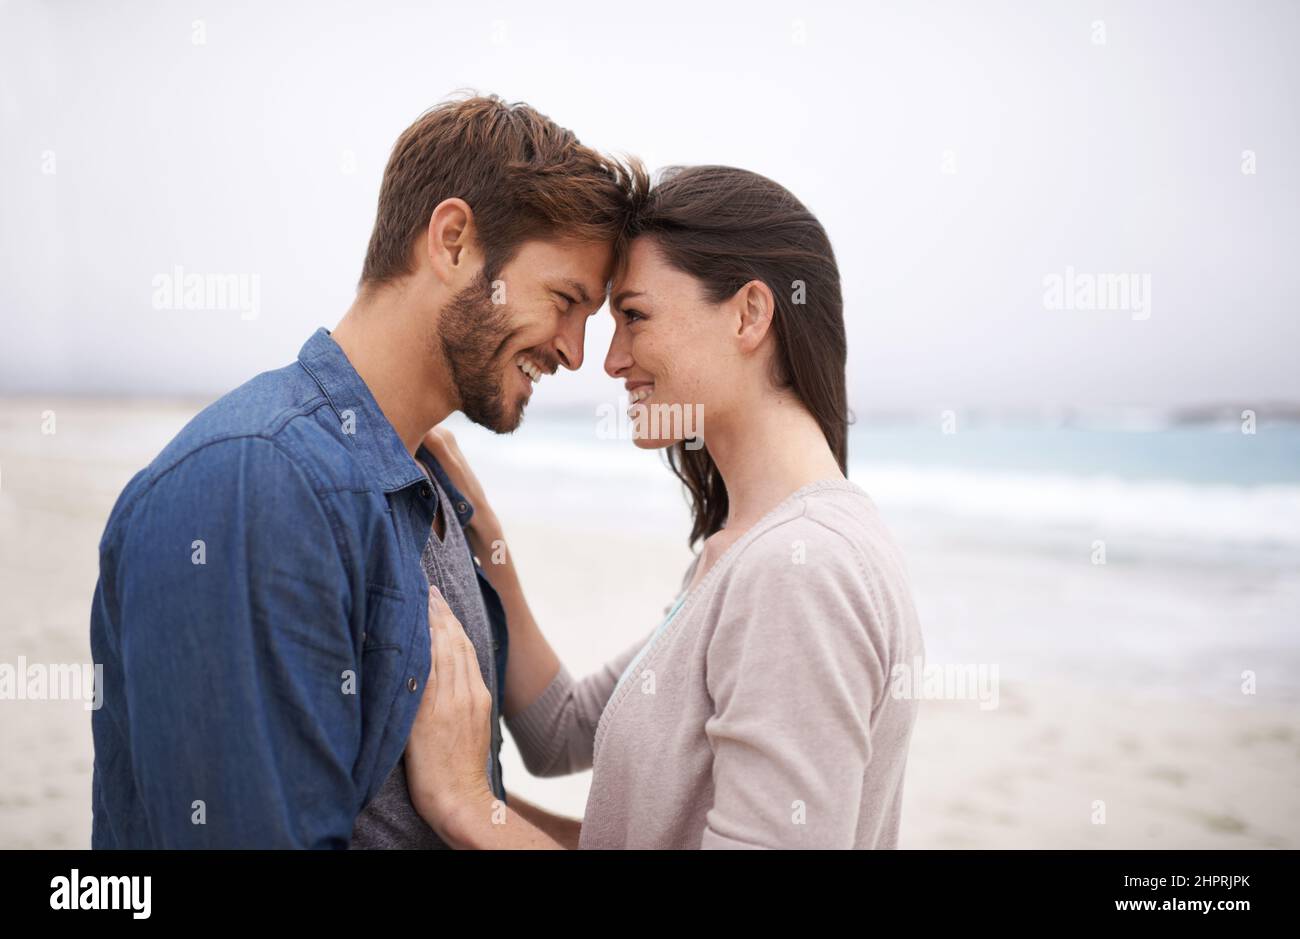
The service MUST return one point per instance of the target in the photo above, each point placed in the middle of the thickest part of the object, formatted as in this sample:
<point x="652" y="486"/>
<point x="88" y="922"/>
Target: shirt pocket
<point x="390" y="620"/>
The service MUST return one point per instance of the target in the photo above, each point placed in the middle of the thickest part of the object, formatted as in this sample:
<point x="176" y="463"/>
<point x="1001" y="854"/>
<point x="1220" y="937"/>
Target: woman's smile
<point x="637" y="393"/>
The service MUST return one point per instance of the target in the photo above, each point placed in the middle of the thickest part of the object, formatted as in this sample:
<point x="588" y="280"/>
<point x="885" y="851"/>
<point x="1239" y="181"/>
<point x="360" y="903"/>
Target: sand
<point x="1055" y="765"/>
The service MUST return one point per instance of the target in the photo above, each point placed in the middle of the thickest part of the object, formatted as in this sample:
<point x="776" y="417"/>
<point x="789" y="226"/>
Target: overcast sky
<point x="961" y="155"/>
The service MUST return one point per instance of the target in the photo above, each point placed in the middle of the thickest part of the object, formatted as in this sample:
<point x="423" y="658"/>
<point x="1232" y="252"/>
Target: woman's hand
<point x="442" y="444"/>
<point x="446" y="755"/>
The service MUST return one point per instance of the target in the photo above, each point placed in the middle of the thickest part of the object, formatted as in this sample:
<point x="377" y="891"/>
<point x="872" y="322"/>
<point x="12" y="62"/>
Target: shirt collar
<point x="462" y="507"/>
<point x="376" y="443"/>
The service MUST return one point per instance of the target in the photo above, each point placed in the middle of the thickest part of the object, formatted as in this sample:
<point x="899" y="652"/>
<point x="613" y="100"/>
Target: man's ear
<point x="756" y="307"/>
<point x="451" y="245"/>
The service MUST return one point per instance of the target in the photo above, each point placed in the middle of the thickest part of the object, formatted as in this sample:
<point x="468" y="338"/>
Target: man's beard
<point x="473" y="332"/>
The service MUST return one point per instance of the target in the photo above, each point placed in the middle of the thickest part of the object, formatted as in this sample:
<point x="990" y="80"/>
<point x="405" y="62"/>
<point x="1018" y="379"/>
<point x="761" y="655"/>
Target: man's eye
<point x="632" y="315"/>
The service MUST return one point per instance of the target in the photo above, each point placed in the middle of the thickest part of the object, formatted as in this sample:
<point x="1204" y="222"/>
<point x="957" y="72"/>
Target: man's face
<point x="500" y="338"/>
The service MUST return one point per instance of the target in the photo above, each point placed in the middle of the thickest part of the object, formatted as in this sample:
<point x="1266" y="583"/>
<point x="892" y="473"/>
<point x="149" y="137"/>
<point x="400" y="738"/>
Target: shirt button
<point x="426" y="491"/>
<point x="462" y="507"/>
<point x="412" y="684"/>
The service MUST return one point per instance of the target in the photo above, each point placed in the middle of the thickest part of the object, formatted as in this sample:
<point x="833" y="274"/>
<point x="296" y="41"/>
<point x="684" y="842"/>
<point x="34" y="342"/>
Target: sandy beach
<point x="1057" y="764"/>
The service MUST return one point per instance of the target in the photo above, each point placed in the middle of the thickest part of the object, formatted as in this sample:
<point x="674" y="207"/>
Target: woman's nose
<point x="617" y="359"/>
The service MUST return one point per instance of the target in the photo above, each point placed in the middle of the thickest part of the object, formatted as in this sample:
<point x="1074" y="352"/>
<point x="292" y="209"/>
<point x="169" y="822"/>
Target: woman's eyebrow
<point x="623" y="296"/>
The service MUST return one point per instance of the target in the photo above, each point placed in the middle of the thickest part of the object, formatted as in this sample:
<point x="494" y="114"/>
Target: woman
<point x="759" y="713"/>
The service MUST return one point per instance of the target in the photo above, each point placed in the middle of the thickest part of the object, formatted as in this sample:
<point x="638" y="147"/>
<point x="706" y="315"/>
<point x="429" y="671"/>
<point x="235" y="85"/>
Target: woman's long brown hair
<point x="726" y="227"/>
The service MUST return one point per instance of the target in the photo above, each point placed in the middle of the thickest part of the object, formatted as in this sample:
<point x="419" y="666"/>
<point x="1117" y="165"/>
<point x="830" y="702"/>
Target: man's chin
<point x="511" y="425"/>
<point x="501" y="419"/>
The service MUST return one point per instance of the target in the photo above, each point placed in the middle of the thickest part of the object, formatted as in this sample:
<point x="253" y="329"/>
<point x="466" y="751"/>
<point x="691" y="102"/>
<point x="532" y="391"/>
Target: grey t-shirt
<point x="389" y="820"/>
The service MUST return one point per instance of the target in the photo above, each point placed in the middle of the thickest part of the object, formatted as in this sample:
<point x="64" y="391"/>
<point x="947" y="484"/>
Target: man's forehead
<point x="580" y="268"/>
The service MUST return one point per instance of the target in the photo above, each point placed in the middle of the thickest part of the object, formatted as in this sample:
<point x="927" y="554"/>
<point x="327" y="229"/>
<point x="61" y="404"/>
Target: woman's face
<point x="673" y="349"/>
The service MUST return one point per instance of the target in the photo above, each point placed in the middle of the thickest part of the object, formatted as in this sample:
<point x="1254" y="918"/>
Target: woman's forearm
<point x="532" y="664"/>
<point x="489" y="825"/>
<point x="564" y="830"/>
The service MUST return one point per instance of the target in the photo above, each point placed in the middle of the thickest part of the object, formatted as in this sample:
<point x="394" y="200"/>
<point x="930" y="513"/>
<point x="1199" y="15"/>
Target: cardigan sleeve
<point x="556" y="734"/>
<point x="788" y="768"/>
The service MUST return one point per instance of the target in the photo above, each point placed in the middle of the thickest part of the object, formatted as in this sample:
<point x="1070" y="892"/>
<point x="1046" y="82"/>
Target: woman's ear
<point x="450" y="239"/>
<point x="757" y="307"/>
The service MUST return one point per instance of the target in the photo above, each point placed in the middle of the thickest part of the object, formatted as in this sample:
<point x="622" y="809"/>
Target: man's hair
<point x="523" y="176"/>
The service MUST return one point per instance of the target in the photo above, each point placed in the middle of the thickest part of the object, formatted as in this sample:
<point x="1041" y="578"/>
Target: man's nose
<point x="569" y="342"/>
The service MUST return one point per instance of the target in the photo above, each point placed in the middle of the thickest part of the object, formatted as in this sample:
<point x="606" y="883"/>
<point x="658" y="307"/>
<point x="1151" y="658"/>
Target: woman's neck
<point x="766" y="454"/>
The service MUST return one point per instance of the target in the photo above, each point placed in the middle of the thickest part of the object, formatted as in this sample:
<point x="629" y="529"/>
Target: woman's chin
<point x="652" y="443"/>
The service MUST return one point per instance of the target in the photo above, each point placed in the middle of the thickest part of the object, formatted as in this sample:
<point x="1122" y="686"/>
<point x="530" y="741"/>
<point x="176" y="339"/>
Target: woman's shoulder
<point x="826" y="551"/>
<point x="832" y="523"/>
<point x="826" y="562"/>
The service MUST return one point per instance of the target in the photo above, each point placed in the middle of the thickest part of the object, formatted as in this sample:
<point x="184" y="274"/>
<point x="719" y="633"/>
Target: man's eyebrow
<point x="577" y="287"/>
<point x="624" y="295"/>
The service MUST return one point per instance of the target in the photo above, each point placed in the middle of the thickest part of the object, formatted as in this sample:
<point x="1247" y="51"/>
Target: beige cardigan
<point x="762" y="714"/>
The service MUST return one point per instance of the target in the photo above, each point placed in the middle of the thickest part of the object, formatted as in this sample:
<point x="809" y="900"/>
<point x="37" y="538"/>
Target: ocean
<point x="1164" y="559"/>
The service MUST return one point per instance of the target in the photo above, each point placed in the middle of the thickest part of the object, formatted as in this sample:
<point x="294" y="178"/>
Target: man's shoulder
<point x="279" y="422"/>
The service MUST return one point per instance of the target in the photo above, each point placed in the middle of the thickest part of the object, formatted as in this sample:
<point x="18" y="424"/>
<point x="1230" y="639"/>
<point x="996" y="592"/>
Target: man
<point x="261" y="611"/>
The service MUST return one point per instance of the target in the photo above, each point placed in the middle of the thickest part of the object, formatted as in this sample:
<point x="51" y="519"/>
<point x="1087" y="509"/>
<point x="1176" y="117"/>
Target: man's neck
<point x="389" y="345"/>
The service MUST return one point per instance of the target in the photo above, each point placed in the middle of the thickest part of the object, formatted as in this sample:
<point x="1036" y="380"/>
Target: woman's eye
<point x="632" y="315"/>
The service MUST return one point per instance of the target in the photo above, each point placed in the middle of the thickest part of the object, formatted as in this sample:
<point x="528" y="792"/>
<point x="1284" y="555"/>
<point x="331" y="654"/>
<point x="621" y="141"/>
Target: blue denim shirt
<point x="261" y="617"/>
